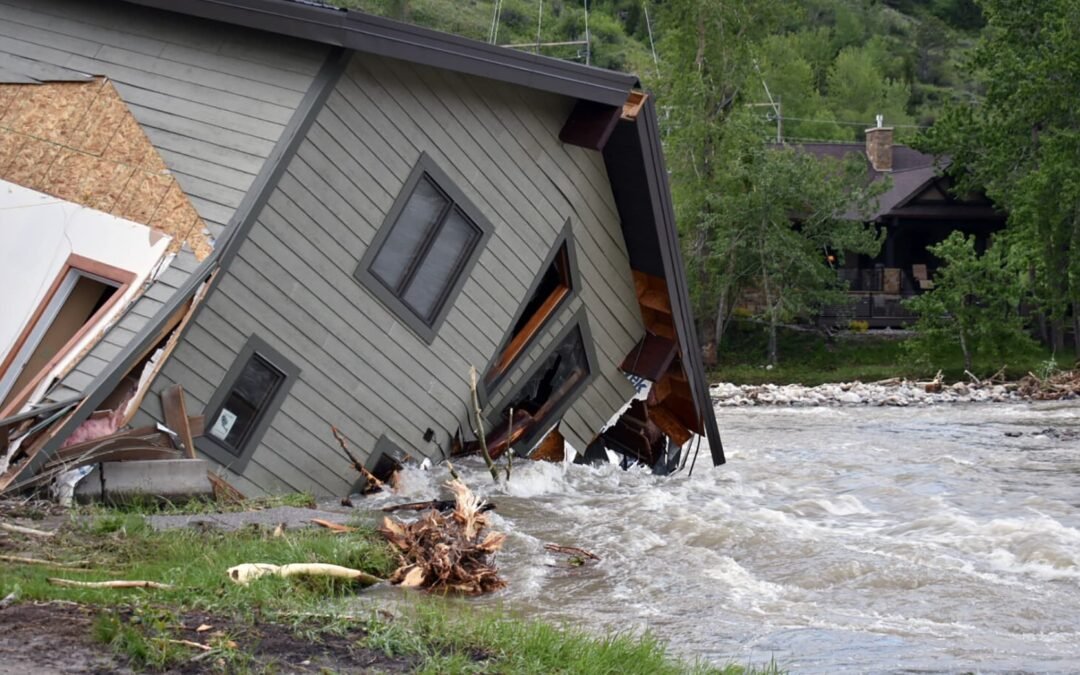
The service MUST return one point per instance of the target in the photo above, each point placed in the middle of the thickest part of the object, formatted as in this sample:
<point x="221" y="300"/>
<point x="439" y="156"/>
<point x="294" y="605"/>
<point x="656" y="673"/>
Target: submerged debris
<point x="447" y="553"/>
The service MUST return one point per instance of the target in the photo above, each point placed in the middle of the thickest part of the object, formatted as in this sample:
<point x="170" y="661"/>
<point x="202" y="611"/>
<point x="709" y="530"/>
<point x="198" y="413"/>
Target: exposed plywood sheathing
<point x="79" y="142"/>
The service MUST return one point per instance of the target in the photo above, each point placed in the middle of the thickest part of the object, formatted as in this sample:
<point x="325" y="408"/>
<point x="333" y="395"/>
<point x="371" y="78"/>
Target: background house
<point x="917" y="211"/>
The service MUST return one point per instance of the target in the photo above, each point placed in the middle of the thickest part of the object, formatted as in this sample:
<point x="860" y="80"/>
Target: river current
<point x="835" y="540"/>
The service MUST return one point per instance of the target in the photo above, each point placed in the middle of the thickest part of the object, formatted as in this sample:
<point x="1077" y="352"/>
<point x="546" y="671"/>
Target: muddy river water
<point x="862" y="540"/>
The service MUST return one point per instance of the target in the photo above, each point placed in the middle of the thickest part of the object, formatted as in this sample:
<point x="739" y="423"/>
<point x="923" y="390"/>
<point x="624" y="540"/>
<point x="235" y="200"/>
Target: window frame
<point x="491" y="379"/>
<point x="216" y="448"/>
<point x="580" y="321"/>
<point x="427" y="331"/>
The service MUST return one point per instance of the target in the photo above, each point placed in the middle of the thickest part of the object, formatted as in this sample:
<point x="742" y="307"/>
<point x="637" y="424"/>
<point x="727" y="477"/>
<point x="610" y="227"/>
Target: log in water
<point x="863" y="540"/>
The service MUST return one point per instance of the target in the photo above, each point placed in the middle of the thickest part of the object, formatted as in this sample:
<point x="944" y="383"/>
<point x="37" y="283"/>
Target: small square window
<point x="245" y="402"/>
<point x="420" y="258"/>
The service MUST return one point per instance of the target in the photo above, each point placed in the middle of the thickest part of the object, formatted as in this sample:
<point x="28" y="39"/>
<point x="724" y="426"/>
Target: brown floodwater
<point x="835" y="540"/>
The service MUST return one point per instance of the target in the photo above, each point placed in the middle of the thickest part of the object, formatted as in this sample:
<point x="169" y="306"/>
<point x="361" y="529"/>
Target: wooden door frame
<point x="74" y="263"/>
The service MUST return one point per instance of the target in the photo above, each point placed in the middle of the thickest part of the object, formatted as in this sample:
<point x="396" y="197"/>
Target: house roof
<point x="356" y="31"/>
<point x="375" y="35"/>
<point x="912" y="171"/>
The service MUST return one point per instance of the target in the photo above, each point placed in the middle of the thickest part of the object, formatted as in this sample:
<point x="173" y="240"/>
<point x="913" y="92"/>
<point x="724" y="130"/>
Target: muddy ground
<point x="58" y="637"/>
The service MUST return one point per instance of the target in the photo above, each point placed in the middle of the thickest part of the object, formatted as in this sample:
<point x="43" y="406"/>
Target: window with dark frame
<point x="553" y="289"/>
<point x="421" y="255"/>
<point x="244" y="404"/>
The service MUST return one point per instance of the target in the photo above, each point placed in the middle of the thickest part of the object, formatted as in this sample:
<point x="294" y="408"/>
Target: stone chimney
<point x="879" y="145"/>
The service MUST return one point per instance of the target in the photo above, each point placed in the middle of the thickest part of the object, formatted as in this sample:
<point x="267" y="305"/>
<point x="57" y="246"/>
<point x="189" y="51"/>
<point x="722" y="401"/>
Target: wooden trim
<point x="634" y="102"/>
<point x="124" y="279"/>
<point x="545" y="311"/>
<point x="528" y="331"/>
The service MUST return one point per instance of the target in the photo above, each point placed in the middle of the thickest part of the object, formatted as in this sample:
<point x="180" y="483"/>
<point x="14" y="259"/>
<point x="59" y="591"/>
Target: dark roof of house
<point x="357" y="31"/>
<point x="912" y="171"/>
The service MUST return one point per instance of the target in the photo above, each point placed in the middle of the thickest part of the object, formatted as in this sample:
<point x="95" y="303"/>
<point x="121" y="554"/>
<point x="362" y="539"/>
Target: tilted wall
<point x="213" y="99"/>
<point x="362" y="370"/>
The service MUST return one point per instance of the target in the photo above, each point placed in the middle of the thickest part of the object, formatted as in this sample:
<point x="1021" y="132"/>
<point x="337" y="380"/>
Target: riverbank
<point x="813" y="358"/>
<point x="200" y="621"/>
<point x="1062" y="385"/>
<point x="890" y="393"/>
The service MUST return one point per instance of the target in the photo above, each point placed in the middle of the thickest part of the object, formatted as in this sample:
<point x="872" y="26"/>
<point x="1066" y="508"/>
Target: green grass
<point x="811" y="358"/>
<point x="151" y="505"/>
<point x="451" y="641"/>
<point x="439" y="635"/>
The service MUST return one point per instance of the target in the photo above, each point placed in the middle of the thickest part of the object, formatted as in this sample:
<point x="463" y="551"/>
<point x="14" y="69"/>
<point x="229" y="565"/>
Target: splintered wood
<point x="79" y="142"/>
<point x="447" y="553"/>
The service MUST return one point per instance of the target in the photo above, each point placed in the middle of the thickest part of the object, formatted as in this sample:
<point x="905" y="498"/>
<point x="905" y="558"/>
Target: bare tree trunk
<point x="1057" y="333"/>
<point x="964" y="348"/>
<point x="772" y="348"/>
<point x="774" y="352"/>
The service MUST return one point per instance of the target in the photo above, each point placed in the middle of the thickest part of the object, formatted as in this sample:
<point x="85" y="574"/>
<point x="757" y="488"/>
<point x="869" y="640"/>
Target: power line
<point x="853" y="124"/>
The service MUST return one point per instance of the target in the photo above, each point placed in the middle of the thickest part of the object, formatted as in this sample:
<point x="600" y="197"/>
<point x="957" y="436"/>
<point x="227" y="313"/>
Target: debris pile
<point x="447" y="552"/>
<point x="1061" y="385"/>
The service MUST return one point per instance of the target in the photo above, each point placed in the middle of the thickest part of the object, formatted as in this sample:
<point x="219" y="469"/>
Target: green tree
<point x="858" y="91"/>
<point x="974" y="305"/>
<point x="782" y="212"/>
<point x="708" y="49"/>
<point x="1021" y="142"/>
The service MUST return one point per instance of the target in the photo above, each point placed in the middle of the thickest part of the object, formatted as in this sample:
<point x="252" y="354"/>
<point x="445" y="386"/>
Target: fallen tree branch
<point x="480" y="426"/>
<point x="330" y="525"/>
<point x="571" y="550"/>
<point x="77" y="564"/>
<point x="189" y="643"/>
<point x="248" y="572"/>
<point x="107" y="584"/>
<point x="378" y="484"/>
<point x="441" y="505"/>
<point x="26" y="530"/>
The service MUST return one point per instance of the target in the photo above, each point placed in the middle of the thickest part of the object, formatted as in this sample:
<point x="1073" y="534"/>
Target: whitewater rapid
<point x="835" y="540"/>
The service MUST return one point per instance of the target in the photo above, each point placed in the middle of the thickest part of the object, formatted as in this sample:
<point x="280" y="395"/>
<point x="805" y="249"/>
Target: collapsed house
<point x="333" y="219"/>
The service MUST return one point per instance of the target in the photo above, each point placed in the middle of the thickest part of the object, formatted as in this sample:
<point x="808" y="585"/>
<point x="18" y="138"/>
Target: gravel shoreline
<point x="900" y="393"/>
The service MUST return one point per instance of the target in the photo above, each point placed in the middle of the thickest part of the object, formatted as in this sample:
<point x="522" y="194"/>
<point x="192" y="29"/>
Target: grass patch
<point x="276" y="623"/>
<point x="457" y="639"/>
<point x="148" y="505"/>
<point x="812" y="358"/>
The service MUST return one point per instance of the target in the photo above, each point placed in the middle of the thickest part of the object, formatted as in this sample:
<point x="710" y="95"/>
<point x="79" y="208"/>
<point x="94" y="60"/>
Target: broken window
<point x="554" y="287"/>
<point x="548" y="390"/>
<point x="419" y="259"/>
<point x="251" y="392"/>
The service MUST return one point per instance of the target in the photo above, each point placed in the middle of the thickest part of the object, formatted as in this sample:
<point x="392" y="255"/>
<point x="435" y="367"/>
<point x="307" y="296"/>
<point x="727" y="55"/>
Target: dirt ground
<point x="57" y="637"/>
<point x="52" y="638"/>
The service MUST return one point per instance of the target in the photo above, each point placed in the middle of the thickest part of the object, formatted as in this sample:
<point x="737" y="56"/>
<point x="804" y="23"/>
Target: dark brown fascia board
<point x="675" y="273"/>
<point x="235" y="233"/>
<point x="384" y="37"/>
